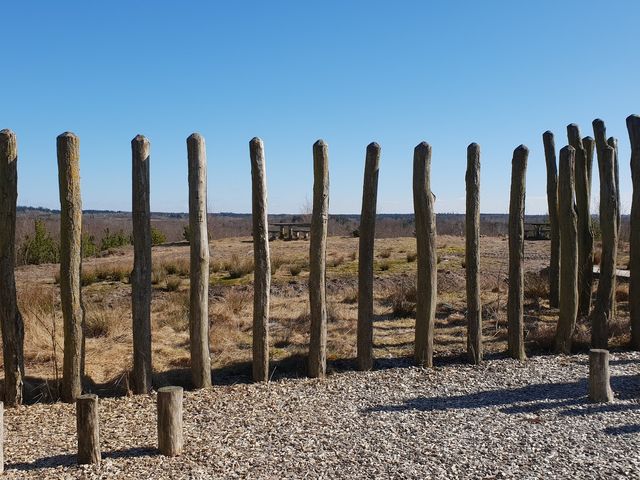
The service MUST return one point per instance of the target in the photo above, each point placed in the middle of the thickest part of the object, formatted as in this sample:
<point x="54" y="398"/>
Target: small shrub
<point x="157" y="236"/>
<point x="97" y="324"/>
<point x="276" y="262"/>
<point x="350" y="296"/>
<point x="384" y="266"/>
<point x="239" y="267"/>
<point x="335" y="262"/>
<point x="87" y="277"/>
<point x="353" y="255"/>
<point x="158" y="275"/>
<point x="41" y="248"/>
<point x="295" y="269"/>
<point x="186" y="233"/>
<point x="114" y="240"/>
<point x="386" y="253"/>
<point x="173" y="284"/>
<point x="535" y="286"/>
<point x="402" y="298"/>
<point x="88" y="246"/>
<point x="216" y="266"/>
<point x="237" y="300"/>
<point x="411" y="256"/>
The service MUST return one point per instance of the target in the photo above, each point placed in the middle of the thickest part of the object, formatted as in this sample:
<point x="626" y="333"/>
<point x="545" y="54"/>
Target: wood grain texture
<point x="68" y="148"/>
<point x="633" y="127"/>
<point x="170" y="430"/>
<point x="367" y="232"/>
<point x="199" y="263"/>
<point x="317" y="261"/>
<point x="427" y="284"/>
<point x="88" y="428"/>
<point x="552" y="205"/>
<point x="262" y="269"/>
<point x="515" y="314"/>
<point x="10" y="317"/>
<point x="141" y="274"/>
<point x="472" y="255"/>
<point x="599" y="376"/>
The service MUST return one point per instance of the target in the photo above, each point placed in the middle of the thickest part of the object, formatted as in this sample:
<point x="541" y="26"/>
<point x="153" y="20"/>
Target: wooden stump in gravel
<point x="603" y="306"/>
<point x="199" y="264"/>
<point x="317" y="261"/>
<point x="425" y="218"/>
<point x="633" y="126"/>
<point x="515" y="315"/>
<point x="585" y="234"/>
<point x="262" y="270"/>
<point x="10" y="317"/>
<point x="367" y="232"/>
<point x="599" y="378"/>
<point x="141" y="274"/>
<point x="68" y="146"/>
<point x="88" y="425"/>
<point x="472" y="255"/>
<point x="568" y="254"/>
<point x="170" y="441"/>
<point x="552" y="202"/>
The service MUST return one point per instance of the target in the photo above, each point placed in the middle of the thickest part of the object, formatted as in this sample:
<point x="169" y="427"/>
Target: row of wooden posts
<point x="570" y="269"/>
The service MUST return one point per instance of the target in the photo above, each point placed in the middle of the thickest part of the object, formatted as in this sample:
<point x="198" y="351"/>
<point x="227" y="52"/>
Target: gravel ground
<point x="503" y="419"/>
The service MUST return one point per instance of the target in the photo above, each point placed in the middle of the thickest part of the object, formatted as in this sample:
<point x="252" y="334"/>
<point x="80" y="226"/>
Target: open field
<point x="106" y="296"/>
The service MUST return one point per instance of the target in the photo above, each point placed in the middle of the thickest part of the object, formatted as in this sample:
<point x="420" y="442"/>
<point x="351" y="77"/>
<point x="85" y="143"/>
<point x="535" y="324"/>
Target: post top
<point x="195" y="136"/>
<point x="139" y="138"/>
<point x="521" y="149"/>
<point x="374" y="145"/>
<point x="170" y="389"/>
<point x="67" y="135"/>
<point x="255" y="140"/>
<point x="8" y="132"/>
<point x="473" y="146"/>
<point x="320" y="143"/>
<point x="548" y="133"/>
<point x="598" y="351"/>
<point x="87" y="396"/>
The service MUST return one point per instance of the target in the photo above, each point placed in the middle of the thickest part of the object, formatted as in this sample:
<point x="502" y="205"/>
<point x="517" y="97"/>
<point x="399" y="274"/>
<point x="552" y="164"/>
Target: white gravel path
<point x="503" y="419"/>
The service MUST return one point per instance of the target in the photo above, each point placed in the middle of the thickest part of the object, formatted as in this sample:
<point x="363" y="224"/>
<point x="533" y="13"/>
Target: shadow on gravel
<point x="68" y="460"/>
<point x="529" y="399"/>
<point x="623" y="430"/>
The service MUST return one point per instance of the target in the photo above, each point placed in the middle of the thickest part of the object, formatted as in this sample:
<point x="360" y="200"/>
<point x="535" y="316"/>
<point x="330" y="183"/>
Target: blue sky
<point x="499" y="73"/>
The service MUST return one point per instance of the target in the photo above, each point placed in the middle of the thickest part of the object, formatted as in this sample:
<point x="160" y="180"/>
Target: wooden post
<point x="262" y="272"/>
<point x="88" y="425"/>
<point x="599" y="378"/>
<point x="515" y="316"/>
<point x="589" y="145"/>
<point x="10" y="317"/>
<point x="568" y="254"/>
<point x="613" y="143"/>
<point x="317" y="261"/>
<point x="141" y="275"/>
<point x="427" y="283"/>
<point x="552" y="202"/>
<point x="170" y="441"/>
<point x="585" y="234"/>
<point x="603" y="306"/>
<point x="367" y="231"/>
<point x="633" y="126"/>
<point x="472" y="255"/>
<point x="199" y="267"/>
<point x="68" y="146"/>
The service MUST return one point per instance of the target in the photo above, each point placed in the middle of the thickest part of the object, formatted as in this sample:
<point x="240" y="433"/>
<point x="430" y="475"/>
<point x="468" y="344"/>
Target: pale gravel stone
<point x="500" y="420"/>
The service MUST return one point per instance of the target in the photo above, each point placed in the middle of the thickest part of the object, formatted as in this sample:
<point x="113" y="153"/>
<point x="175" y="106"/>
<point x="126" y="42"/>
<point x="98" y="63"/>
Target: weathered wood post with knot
<point x="515" y="315"/>
<point x="317" y="261"/>
<point x="599" y="377"/>
<point x="10" y="317"/>
<point x="633" y="127"/>
<point x="262" y="270"/>
<point x="585" y="234"/>
<point x="552" y="202"/>
<point x="367" y="231"/>
<point x="68" y="146"/>
<point x="141" y="275"/>
<point x="427" y="282"/>
<point x="568" y="254"/>
<point x="472" y="255"/>
<point x="603" y="306"/>
<point x="88" y="427"/>
<point x="199" y="264"/>
<point x="169" y="407"/>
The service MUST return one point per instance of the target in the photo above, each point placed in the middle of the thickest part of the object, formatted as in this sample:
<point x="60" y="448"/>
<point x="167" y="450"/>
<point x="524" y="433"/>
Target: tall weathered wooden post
<point x="10" y="318"/>
<point x="569" y="252"/>
<point x="613" y="143"/>
<point x="199" y="265"/>
<point x="427" y="283"/>
<point x="589" y="145"/>
<point x="552" y="202"/>
<point x="141" y="275"/>
<point x="472" y="255"/>
<point x="68" y="146"/>
<point x="603" y="306"/>
<point x="585" y="234"/>
<point x="262" y="270"/>
<point x="317" y="261"/>
<point x="515" y="315"/>
<point x="367" y="233"/>
<point x="633" y="126"/>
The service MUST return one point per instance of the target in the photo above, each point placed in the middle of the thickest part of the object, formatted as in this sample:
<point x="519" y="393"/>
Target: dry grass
<point x="238" y="267"/>
<point x="411" y="256"/>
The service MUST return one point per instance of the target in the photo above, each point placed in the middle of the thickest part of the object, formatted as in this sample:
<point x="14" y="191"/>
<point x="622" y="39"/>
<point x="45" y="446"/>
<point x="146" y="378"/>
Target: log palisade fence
<point x="570" y="279"/>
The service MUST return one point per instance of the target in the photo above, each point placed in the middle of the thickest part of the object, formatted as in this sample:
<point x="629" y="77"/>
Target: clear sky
<point x="499" y="73"/>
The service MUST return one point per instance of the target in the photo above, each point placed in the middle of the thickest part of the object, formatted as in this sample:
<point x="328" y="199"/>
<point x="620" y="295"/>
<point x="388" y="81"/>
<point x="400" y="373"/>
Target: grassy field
<point x="106" y="296"/>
